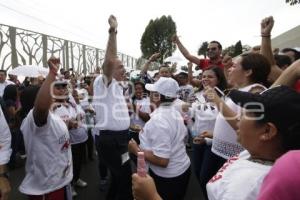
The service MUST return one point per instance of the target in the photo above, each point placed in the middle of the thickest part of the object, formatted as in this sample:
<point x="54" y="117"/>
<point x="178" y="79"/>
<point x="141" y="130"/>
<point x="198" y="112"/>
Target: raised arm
<point x="227" y="63"/>
<point x="43" y="100"/>
<point x="184" y="51"/>
<point x="193" y="81"/>
<point x="289" y="76"/>
<point x="152" y="58"/>
<point x="230" y="116"/>
<point x="111" y="49"/>
<point x="266" y="49"/>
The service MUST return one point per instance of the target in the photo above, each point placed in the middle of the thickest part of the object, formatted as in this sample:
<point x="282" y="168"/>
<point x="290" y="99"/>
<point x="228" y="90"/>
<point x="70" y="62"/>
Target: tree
<point x="246" y="48"/>
<point x="238" y="49"/>
<point x="229" y="50"/>
<point x="157" y="38"/>
<point x="292" y="2"/>
<point x="203" y="49"/>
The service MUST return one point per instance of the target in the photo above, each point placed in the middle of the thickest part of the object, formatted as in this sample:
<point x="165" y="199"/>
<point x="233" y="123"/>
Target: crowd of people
<point x="239" y="115"/>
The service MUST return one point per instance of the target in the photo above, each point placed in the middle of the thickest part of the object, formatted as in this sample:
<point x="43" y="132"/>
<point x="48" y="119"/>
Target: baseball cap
<point x="281" y="105"/>
<point x="181" y="72"/>
<point x="165" y="86"/>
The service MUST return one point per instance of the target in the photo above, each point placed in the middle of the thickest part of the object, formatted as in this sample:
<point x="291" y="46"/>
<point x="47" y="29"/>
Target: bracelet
<point x="265" y="35"/>
<point x="112" y="30"/>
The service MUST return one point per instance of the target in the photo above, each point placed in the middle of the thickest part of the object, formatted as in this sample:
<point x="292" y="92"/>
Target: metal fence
<point x="24" y="47"/>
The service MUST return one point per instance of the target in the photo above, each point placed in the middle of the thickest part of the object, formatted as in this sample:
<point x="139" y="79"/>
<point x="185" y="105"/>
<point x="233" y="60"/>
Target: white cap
<point x="180" y="71"/>
<point x="165" y="86"/>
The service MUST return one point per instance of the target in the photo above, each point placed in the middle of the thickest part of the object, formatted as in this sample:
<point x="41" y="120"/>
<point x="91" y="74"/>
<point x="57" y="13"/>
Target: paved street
<point x="92" y="192"/>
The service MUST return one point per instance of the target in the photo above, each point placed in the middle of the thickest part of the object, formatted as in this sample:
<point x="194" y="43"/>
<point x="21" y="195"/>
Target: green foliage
<point x="203" y="49"/>
<point x="229" y="50"/>
<point x="237" y="49"/>
<point x="292" y="2"/>
<point x="157" y="38"/>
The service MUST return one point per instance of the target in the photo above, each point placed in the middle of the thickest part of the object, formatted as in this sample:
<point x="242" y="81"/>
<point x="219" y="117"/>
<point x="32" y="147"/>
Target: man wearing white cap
<point x="162" y="141"/>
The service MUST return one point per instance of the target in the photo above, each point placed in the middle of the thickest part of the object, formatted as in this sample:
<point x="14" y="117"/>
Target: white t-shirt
<point x="144" y="105"/>
<point x="79" y="135"/>
<point x="204" y="113"/>
<point x="225" y="142"/>
<point x="110" y="106"/>
<point x="49" y="159"/>
<point x="66" y="113"/>
<point x="5" y="140"/>
<point x="164" y="135"/>
<point x="185" y="92"/>
<point x="238" y="179"/>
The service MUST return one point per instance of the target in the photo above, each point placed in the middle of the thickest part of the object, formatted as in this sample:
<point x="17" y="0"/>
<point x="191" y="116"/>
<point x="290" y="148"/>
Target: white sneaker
<point x="74" y="193"/>
<point x="80" y="183"/>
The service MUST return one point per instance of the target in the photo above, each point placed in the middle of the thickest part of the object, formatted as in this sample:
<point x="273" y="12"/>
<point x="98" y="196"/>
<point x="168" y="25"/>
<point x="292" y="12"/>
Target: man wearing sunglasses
<point x="214" y="51"/>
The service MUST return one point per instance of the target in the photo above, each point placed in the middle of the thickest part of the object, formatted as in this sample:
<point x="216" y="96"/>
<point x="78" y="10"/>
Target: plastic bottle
<point x="190" y="125"/>
<point x="141" y="164"/>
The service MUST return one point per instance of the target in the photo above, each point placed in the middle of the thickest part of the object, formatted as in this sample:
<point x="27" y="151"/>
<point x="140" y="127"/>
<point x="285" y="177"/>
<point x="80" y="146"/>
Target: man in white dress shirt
<point x="112" y="120"/>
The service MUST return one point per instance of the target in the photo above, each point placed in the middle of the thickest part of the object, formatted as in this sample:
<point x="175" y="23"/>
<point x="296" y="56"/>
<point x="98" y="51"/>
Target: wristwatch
<point x="4" y="174"/>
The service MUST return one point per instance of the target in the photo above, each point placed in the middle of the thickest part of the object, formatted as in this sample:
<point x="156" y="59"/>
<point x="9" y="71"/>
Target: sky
<point x="85" y="21"/>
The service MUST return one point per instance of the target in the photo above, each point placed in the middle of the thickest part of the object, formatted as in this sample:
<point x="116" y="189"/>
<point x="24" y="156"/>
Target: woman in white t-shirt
<point x="163" y="142"/>
<point x="266" y="134"/>
<point x="141" y="110"/>
<point x="268" y="128"/>
<point x="47" y="143"/>
<point x="249" y="72"/>
<point x="72" y="114"/>
<point x="204" y="115"/>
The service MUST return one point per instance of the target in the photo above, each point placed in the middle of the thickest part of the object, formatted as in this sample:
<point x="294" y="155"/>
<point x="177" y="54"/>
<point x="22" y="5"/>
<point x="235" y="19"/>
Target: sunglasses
<point x="212" y="49"/>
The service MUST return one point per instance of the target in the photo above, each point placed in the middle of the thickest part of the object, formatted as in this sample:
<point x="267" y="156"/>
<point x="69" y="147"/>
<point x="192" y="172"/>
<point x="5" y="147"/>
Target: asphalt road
<point x="92" y="192"/>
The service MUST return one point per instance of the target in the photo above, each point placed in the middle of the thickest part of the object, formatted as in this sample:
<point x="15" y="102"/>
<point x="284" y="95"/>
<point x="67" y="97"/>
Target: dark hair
<point x="182" y="75"/>
<point x="27" y="99"/>
<point x="10" y="93"/>
<point x="259" y="65"/>
<point x="141" y="84"/>
<point x="289" y="137"/>
<point x="164" y="66"/>
<point x="218" y="43"/>
<point x="87" y="80"/>
<point x="282" y="60"/>
<point x="165" y="99"/>
<point x="222" y="82"/>
<point x="297" y="53"/>
<point x="2" y="70"/>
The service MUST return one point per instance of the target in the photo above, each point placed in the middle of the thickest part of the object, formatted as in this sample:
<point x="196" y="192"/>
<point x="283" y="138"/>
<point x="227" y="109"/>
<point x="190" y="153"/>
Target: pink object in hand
<point x="141" y="164"/>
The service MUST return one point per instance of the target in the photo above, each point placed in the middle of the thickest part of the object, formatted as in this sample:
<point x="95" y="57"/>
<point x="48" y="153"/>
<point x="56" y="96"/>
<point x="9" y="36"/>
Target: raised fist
<point x="112" y="20"/>
<point x="53" y="64"/>
<point x="266" y="26"/>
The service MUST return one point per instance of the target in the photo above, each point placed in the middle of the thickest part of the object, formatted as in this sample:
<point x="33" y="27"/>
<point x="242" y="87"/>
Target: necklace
<point x="263" y="162"/>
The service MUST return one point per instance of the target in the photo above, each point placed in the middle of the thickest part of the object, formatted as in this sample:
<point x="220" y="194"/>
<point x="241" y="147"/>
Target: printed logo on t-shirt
<point x="65" y="141"/>
<point x="219" y="174"/>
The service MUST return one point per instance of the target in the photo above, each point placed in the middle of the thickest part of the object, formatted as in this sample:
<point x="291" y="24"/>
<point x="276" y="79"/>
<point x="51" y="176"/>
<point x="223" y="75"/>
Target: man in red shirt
<point x="214" y="51"/>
